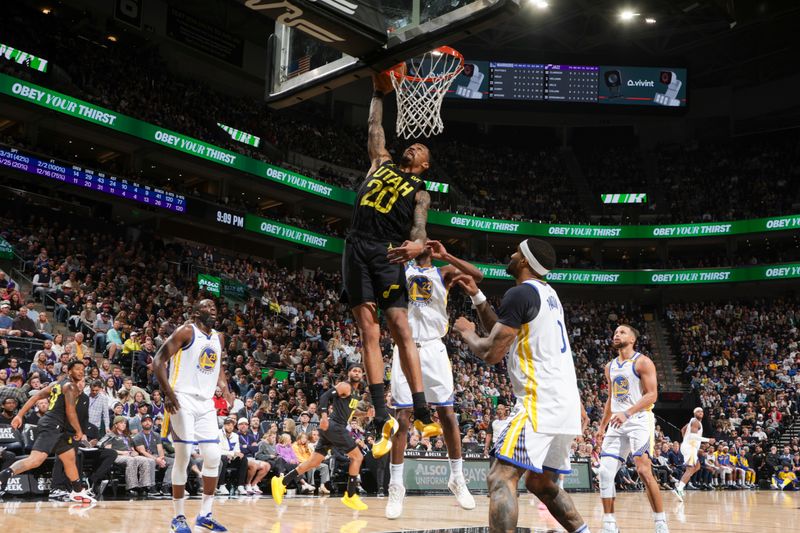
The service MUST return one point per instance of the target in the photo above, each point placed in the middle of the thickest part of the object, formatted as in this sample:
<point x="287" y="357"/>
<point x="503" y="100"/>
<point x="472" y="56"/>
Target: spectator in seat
<point x="101" y="326"/>
<point x="15" y="369"/>
<point x="43" y="326"/>
<point x="220" y="404"/>
<point x="25" y="326"/>
<point x="248" y="445"/>
<point x="114" y="341"/>
<point x="141" y="410"/>
<point x="40" y="361"/>
<point x="6" y="322"/>
<point x="156" y="404"/>
<point x="676" y="460"/>
<point x="99" y="407"/>
<point x="148" y="444"/>
<point x="33" y="416"/>
<point x="140" y="472"/>
<point x="49" y="353"/>
<point x="78" y="348"/>
<point x="231" y="456"/>
<point x="130" y="347"/>
<point x="9" y="411"/>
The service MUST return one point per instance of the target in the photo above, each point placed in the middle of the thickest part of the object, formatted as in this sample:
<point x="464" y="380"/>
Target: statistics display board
<point x="545" y="82"/>
<point x="90" y="179"/>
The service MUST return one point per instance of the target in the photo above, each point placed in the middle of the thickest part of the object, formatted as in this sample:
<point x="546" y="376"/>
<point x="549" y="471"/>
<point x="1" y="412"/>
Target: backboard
<point x="319" y="45"/>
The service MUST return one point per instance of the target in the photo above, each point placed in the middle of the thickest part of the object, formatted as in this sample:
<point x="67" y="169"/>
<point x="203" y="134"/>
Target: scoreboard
<point x="546" y="82"/>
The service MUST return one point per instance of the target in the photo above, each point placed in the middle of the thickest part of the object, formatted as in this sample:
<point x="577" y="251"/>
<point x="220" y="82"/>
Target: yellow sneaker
<point x="278" y="489"/>
<point x="354" y="502"/>
<point x="434" y="429"/>
<point x="384" y="444"/>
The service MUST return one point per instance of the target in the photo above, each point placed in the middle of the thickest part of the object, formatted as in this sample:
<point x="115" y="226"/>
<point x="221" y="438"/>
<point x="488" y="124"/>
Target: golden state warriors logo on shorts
<point x="420" y="290"/>
<point x="620" y="388"/>
<point x="207" y="361"/>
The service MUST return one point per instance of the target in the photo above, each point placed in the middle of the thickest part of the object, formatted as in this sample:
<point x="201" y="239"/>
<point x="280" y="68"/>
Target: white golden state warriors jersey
<point x="427" y="308"/>
<point x="626" y="387"/>
<point x="195" y="368"/>
<point x="542" y="371"/>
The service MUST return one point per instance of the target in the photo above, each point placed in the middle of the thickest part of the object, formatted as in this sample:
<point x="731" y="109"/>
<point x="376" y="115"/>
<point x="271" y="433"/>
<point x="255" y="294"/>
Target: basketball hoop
<point x="421" y="87"/>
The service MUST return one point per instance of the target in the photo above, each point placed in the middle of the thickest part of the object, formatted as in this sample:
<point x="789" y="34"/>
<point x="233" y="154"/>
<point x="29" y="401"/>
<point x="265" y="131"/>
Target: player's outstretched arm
<point x="376" y="138"/>
<point x="491" y="349"/>
<point x="455" y="266"/>
<point x="179" y="338"/>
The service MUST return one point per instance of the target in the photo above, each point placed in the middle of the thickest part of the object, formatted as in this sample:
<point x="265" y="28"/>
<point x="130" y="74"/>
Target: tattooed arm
<point x="376" y="143"/>
<point x="491" y="349"/>
<point x="417" y="236"/>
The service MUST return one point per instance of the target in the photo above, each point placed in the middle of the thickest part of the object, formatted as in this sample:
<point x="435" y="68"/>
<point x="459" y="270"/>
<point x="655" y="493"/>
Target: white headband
<point x="535" y="265"/>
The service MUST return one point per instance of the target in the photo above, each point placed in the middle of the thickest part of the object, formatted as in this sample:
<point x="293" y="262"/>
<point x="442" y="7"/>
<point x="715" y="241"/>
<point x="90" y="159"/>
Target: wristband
<point x="377" y="94"/>
<point x="478" y="299"/>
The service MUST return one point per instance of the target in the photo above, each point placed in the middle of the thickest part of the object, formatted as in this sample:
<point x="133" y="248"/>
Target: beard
<point x="405" y="160"/>
<point x="207" y="320"/>
<point x="511" y="269"/>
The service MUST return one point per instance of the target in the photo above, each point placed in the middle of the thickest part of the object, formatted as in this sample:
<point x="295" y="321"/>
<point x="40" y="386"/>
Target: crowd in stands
<point x="117" y="294"/>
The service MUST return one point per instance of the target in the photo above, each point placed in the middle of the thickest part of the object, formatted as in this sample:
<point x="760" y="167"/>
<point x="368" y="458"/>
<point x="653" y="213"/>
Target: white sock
<point x="659" y="517"/>
<point x="560" y="482"/>
<point x="177" y="504"/>
<point x="396" y="475"/>
<point x="583" y="529"/>
<point x="205" y="505"/>
<point x="679" y="485"/>
<point x="609" y="517"/>
<point x="456" y="468"/>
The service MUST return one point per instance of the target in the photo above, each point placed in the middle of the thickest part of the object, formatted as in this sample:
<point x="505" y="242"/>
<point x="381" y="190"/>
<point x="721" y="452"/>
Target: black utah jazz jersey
<point x="56" y="415"/>
<point x="384" y="208"/>
<point x="343" y="408"/>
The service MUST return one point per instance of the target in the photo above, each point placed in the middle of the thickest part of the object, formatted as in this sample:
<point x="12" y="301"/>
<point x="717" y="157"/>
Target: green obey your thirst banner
<point x="79" y="109"/>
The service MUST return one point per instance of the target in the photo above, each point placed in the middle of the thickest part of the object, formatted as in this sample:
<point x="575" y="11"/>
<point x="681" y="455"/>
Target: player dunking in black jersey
<point x="388" y="229"/>
<point x="343" y="400"/>
<point x="59" y="431"/>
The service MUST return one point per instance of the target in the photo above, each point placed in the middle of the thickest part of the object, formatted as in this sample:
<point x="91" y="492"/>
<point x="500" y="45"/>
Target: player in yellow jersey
<point x="785" y="479"/>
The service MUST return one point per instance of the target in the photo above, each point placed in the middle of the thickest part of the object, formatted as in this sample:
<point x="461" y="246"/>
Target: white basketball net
<point x="420" y="93"/>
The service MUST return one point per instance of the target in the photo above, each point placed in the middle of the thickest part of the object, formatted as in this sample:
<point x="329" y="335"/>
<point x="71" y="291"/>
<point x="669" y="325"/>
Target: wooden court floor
<point x="719" y="512"/>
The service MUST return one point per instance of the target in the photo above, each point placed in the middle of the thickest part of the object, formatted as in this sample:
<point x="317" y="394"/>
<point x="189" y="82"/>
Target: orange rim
<point x="443" y="50"/>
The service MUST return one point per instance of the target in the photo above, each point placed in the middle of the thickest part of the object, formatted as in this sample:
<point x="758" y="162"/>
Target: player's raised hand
<point x="467" y="283"/>
<point x="438" y="251"/>
<point x="462" y="326"/>
<point x="406" y="252"/>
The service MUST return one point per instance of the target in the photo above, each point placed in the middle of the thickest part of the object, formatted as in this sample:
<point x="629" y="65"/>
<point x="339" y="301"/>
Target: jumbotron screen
<point x="613" y="85"/>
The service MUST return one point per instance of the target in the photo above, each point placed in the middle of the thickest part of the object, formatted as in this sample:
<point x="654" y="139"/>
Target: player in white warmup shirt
<point x="187" y="367"/>
<point x="428" y="287"/>
<point x="692" y="438"/>
<point x="528" y="330"/>
<point x="632" y="391"/>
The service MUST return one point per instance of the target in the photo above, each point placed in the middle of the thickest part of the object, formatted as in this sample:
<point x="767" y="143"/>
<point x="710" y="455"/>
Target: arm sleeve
<point x="325" y="400"/>
<point x="520" y="305"/>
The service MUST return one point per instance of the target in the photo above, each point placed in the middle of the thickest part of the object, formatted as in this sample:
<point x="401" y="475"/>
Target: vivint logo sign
<point x="293" y="17"/>
<point x="641" y="83"/>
